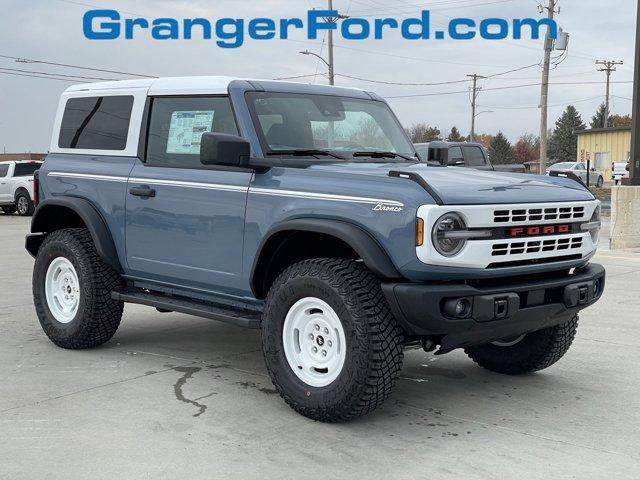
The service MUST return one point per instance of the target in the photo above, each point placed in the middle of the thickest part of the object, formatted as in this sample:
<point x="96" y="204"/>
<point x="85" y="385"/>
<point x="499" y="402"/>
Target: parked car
<point x="230" y="199"/>
<point x="16" y="186"/>
<point x="462" y="154"/>
<point x="580" y="170"/>
<point x="618" y="171"/>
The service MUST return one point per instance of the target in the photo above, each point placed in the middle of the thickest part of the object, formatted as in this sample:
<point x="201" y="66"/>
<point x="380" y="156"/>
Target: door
<point x="475" y="158"/>
<point x="185" y="221"/>
<point x="5" y="188"/>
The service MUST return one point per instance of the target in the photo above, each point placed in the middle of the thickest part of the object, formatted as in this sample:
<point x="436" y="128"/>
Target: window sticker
<point x="186" y="130"/>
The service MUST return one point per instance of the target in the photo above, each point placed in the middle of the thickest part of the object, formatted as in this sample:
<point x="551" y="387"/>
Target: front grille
<point x="519" y="247"/>
<point x="538" y="214"/>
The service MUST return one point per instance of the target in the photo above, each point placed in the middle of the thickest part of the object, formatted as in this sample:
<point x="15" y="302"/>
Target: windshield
<point x="563" y="165"/>
<point x="288" y="122"/>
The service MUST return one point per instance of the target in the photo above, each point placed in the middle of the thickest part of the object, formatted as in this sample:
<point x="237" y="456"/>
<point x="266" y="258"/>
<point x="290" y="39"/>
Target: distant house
<point x="603" y="146"/>
<point x="7" y="157"/>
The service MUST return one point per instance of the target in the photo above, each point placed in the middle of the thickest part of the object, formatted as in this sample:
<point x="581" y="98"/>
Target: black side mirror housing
<point x="224" y="149"/>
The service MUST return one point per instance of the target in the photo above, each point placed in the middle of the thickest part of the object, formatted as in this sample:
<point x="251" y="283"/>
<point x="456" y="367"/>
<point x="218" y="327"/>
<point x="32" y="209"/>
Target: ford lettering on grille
<point x="536" y="230"/>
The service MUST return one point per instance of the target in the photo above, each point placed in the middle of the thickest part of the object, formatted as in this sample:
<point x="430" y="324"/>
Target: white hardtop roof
<point x="213" y="85"/>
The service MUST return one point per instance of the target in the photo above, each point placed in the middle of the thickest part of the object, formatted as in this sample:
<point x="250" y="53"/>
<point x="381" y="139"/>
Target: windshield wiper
<point x="304" y="153"/>
<point x="381" y="154"/>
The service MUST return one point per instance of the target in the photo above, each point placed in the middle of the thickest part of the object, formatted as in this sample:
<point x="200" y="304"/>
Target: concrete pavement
<point x="173" y="396"/>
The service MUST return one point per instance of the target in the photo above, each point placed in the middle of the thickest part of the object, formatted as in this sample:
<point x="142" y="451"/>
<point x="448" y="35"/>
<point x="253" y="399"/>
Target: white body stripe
<point x="232" y="188"/>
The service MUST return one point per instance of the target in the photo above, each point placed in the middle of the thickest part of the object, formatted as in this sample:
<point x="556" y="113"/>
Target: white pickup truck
<point x="16" y="186"/>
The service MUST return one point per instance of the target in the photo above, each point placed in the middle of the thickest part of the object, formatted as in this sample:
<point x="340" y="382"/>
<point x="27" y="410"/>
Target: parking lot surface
<point x="173" y="396"/>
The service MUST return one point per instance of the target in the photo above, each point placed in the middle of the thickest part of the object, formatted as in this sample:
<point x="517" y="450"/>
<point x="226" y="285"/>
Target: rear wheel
<point x="332" y="346"/>
<point x="8" y="210"/>
<point x="24" y="205"/>
<point x="72" y="291"/>
<point x="526" y="353"/>
<point x="600" y="182"/>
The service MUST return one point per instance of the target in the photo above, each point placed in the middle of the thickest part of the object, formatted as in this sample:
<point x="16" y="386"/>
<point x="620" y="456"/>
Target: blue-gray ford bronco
<point x="303" y="211"/>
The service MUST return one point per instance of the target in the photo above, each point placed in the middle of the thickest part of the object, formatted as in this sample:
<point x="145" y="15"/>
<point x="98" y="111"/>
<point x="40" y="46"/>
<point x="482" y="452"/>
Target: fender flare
<point x="366" y="246"/>
<point x="42" y="223"/>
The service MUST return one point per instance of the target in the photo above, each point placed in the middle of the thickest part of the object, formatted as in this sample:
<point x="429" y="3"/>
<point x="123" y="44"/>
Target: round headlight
<point x="445" y="243"/>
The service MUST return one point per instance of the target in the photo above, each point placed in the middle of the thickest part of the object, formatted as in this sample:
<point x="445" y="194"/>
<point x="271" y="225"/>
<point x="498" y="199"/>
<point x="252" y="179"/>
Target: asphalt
<point x="173" y="396"/>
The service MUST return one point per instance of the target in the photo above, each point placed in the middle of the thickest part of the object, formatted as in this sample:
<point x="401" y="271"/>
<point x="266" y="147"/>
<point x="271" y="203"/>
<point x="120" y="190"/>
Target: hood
<point x="465" y="186"/>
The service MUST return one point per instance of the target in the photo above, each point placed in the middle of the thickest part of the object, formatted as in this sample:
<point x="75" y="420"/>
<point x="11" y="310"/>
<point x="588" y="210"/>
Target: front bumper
<point x="499" y="309"/>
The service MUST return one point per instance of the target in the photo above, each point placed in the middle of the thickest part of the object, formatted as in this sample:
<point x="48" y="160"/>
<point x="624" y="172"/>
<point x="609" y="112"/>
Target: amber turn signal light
<point x="419" y="232"/>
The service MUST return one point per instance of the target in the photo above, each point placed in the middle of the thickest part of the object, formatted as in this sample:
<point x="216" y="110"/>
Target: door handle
<point x="144" y="192"/>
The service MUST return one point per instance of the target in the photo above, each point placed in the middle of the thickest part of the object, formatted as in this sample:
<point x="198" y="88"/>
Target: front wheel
<point x="526" y="353"/>
<point x="24" y="205"/>
<point x="332" y="347"/>
<point x="72" y="291"/>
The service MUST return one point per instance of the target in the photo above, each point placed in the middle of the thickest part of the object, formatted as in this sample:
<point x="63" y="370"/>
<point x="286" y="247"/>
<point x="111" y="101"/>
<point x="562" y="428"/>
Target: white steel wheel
<point x="314" y="342"/>
<point x="62" y="290"/>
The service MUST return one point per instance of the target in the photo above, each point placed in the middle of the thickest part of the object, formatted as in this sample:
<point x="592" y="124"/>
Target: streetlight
<point x="331" y="76"/>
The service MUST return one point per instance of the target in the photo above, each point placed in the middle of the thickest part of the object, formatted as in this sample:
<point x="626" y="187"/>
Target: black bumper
<point x="498" y="310"/>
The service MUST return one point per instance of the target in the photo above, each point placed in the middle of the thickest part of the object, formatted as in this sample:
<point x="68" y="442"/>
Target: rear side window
<point x="25" y="169"/>
<point x="96" y="123"/>
<point x="4" y="169"/>
<point x="177" y="124"/>
<point x="474" y="156"/>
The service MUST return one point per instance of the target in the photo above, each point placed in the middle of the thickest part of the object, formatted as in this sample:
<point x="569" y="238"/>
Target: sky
<point x="51" y="30"/>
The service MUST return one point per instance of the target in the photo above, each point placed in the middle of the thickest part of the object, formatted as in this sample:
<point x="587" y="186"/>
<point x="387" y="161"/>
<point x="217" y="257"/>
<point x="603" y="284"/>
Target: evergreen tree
<point x="597" y="121"/>
<point x="500" y="150"/>
<point x="563" y="145"/>
<point x="454" y="135"/>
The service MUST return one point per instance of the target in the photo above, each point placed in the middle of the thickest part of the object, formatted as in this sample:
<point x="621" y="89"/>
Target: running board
<point x="241" y="318"/>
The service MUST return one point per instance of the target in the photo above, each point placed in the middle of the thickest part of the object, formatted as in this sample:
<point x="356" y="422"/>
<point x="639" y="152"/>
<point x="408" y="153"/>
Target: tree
<point x="563" y="145"/>
<point x="454" y="135"/>
<point x="597" y="121"/>
<point x="423" y="133"/>
<point x="527" y="148"/>
<point x="484" y="139"/>
<point x="621" y="120"/>
<point x="500" y="150"/>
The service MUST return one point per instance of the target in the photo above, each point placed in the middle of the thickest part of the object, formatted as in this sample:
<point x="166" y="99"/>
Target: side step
<point x="241" y="318"/>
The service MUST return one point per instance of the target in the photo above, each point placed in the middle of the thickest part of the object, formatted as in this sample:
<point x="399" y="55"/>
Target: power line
<point x="41" y="77"/>
<point x="508" y="87"/>
<point x="80" y="67"/>
<point x="56" y="74"/>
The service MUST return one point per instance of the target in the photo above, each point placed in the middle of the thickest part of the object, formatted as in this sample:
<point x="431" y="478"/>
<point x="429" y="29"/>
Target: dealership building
<point x="603" y="146"/>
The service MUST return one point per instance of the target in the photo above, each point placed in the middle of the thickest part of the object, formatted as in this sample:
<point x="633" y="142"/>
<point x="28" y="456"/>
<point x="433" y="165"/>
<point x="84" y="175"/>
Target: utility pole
<point x="635" y="113"/>
<point x="474" y="97"/>
<point x="609" y="66"/>
<point x="329" y="63"/>
<point x="544" y="93"/>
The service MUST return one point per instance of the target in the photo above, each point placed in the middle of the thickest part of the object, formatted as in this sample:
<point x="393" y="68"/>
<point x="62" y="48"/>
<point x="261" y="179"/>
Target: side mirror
<point x="223" y="149"/>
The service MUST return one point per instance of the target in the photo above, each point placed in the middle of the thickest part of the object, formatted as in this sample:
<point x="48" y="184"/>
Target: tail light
<point x="36" y="188"/>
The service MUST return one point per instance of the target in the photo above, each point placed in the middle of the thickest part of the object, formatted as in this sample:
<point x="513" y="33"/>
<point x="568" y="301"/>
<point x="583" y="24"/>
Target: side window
<point x="96" y="123"/>
<point x="474" y="156"/>
<point x="25" y="169"/>
<point x="580" y="166"/>
<point x="4" y="169"/>
<point x="177" y="124"/>
<point x="455" y="156"/>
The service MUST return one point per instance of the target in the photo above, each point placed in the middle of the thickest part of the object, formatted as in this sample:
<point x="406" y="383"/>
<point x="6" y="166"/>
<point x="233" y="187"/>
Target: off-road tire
<point x="374" y="352"/>
<point x="27" y="208"/>
<point x="536" y="351"/>
<point x="98" y="316"/>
